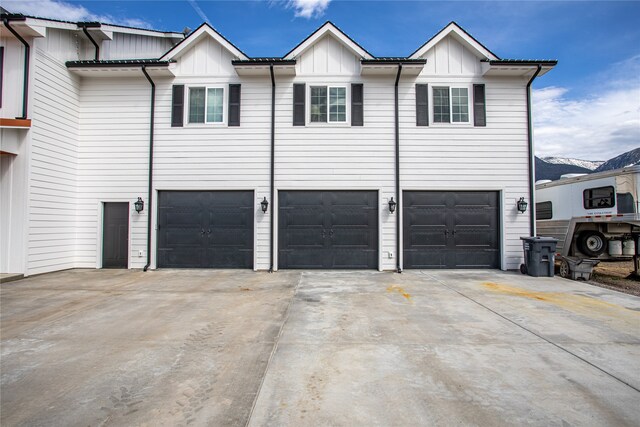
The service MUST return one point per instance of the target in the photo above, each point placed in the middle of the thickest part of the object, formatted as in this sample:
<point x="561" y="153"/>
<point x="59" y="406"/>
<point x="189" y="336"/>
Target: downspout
<point x="273" y="146"/>
<point x="150" y="196"/>
<point x="398" y="201"/>
<point x="532" y="180"/>
<point x="25" y="84"/>
<point x="86" y="33"/>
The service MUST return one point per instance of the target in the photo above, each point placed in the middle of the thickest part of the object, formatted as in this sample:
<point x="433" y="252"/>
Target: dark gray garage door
<point x="205" y="229"/>
<point x="328" y="229"/>
<point x="445" y="229"/>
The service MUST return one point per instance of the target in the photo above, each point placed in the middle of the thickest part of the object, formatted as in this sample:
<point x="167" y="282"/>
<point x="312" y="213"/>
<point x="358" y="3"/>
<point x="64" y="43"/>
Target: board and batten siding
<point x="53" y="166"/>
<point x="13" y="78"/>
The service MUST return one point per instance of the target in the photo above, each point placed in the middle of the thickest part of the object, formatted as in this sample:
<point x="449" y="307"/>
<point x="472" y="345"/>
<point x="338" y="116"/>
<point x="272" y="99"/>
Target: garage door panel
<point x="427" y="237"/>
<point x="328" y="229"/>
<point x="184" y="257"/>
<point x="205" y="229"/>
<point x="230" y="258"/>
<point x="427" y="217"/>
<point x="475" y="238"/>
<point x="451" y="229"/>
<point x="426" y="258"/>
<point x="353" y="259"/>
<point x="350" y="216"/>
<point x="302" y="258"/>
<point x="303" y="217"/>
<point x="304" y="237"/>
<point x="475" y="259"/>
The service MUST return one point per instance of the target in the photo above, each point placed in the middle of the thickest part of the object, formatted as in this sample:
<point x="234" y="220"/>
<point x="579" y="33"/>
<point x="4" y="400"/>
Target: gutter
<point x="273" y="147"/>
<point x="84" y="26"/>
<point x="150" y="195"/>
<point x="399" y="199"/>
<point x="27" y="54"/>
<point x="532" y="180"/>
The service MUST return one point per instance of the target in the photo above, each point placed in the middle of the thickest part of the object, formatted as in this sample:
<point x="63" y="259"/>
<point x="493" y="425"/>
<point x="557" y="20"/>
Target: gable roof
<point x="461" y="34"/>
<point x="328" y="28"/>
<point x="197" y="35"/>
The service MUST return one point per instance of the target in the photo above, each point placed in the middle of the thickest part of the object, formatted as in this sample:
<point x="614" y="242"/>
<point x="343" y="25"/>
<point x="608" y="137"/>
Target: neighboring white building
<point x="328" y="135"/>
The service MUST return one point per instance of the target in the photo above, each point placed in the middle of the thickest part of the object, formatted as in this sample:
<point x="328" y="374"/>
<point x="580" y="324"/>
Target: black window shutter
<point x="177" y="106"/>
<point x="299" y="94"/>
<point x="422" y="105"/>
<point x="234" y="105"/>
<point x="479" y="107"/>
<point x="357" y="104"/>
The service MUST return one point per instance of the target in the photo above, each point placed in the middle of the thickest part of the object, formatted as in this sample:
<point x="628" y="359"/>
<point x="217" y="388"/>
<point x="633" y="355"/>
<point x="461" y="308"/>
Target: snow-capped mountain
<point x="630" y="158"/>
<point x="587" y="164"/>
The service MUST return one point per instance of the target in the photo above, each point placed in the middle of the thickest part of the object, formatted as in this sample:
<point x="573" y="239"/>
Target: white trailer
<point x="594" y="217"/>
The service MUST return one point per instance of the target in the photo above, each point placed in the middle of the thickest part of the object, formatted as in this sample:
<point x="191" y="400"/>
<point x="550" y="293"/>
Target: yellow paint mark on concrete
<point x="401" y="291"/>
<point x="577" y="303"/>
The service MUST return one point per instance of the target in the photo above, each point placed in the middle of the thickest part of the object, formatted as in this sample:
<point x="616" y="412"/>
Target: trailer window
<point x="626" y="204"/>
<point x="597" y="198"/>
<point x="544" y="210"/>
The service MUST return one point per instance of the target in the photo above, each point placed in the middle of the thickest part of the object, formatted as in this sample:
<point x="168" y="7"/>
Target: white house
<point x="326" y="157"/>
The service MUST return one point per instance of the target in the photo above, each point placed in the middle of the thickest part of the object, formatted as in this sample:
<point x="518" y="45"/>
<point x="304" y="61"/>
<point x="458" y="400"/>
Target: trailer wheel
<point x="592" y="243"/>
<point x="565" y="271"/>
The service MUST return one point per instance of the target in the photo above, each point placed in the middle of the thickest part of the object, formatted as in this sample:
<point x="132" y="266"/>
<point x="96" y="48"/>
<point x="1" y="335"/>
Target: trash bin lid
<point x="540" y="239"/>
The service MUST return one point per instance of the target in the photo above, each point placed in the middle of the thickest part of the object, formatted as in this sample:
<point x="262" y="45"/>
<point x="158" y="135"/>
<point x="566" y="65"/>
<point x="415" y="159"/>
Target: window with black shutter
<point x="299" y="94"/>
<point x="422" y="105"/>
<point x="234" y="105"/>
<point x="177" y="106"/>
<point x="357" y="104"/>
<point x="479" y="108"/>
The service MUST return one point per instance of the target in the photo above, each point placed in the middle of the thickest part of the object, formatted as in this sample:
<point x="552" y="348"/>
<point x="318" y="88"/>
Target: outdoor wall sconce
<point x="392" y="205"/>
<point x="522" y="205"/>
<point x="139" y="205"/>
<point x="265" y="205"/>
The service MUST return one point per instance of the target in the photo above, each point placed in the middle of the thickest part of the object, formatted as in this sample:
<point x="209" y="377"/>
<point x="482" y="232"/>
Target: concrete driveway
<point x="110" y="347"/>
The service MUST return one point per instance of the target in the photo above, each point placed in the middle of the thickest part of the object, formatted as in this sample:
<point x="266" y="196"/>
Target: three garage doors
<point x="328" y="229"/>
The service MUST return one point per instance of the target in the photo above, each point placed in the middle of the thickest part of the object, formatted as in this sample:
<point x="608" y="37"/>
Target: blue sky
<point x="588" y="107"/>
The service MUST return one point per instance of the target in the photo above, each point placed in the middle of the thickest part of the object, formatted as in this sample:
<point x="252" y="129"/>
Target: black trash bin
<point x="539" y="256"/>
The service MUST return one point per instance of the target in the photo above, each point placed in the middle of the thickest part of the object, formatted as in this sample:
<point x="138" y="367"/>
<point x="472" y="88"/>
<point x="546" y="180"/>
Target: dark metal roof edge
<point x="547" y="62"/>
<point x="11" y="15"/>
<point x="463" y="30"/>
<point x="263" y="61"/>
<point x="115" y="63"/>
<point x="318" y="29"/>
<point x="406" y="61"/>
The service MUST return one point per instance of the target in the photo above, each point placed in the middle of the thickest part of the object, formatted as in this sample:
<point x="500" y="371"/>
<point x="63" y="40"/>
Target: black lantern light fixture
<point x="392" y="205"/>
<point x="139" y="205"/>
<point x="522" y="205"/>
<point x="265" y="205"/>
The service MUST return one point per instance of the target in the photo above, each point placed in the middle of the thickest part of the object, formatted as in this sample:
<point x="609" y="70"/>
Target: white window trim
<point x="206" y="90"/>
<point x="346" y="122"/>
<point x="469" y="88"/>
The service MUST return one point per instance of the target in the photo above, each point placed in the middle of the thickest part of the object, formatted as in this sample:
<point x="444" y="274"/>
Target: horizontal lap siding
<point x="334" y="157"/>
<point x="210" y="157"/>
<point x="113" y="161"/>
<point x="453" y="157"/>
<point x="53" y="174"/>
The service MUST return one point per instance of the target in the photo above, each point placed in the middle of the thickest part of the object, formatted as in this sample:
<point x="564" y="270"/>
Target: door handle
<point x="453" y="232"/>
<point x="202" y="232"/>
<point x="209" y="232"/>
<point x="323" y="234"/>
<point x="331" y="233"/>
<point x="446" y="232"/>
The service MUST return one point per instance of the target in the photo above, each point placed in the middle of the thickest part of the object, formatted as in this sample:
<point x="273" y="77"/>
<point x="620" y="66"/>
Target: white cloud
<point x="308" y="8"/>
<point x="599" y="126"/>
<point x="63" y="11"/>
